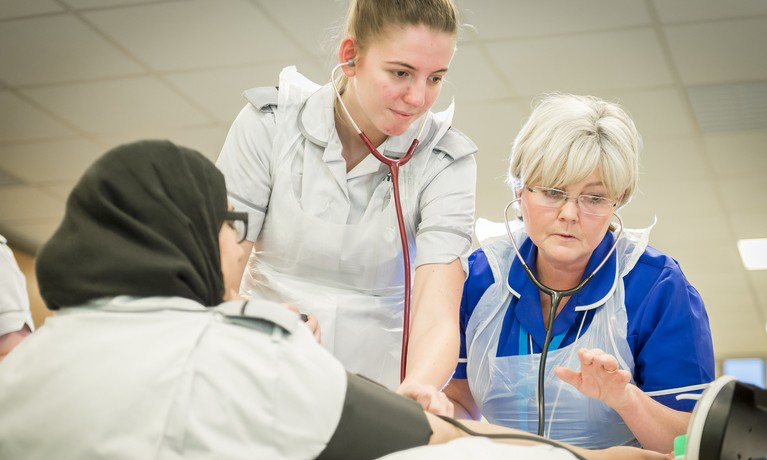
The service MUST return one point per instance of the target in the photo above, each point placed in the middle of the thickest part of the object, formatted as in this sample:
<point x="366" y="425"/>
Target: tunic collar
<point x="597" y="291"/>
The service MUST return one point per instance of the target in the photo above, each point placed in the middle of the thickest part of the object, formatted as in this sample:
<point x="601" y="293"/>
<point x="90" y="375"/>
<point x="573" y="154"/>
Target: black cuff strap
<point x="375" y="422"/>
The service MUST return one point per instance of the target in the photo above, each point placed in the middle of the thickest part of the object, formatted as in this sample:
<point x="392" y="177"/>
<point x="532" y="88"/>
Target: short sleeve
<point x="246" y="163"/>
<point x="669" y="334"/>
<point x="480" y="278"/>
<point x="447" y="215"/>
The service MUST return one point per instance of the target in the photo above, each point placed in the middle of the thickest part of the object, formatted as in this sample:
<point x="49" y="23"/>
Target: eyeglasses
<point x="238" y="221"/>
<point x="589" y="204"/>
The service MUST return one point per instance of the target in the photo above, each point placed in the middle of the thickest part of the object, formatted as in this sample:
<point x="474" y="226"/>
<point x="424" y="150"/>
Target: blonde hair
<point x="568" y="137"/>
<point x="369" y="20"/>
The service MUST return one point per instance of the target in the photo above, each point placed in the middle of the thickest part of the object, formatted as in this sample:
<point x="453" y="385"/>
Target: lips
<point x="402" y="114"/>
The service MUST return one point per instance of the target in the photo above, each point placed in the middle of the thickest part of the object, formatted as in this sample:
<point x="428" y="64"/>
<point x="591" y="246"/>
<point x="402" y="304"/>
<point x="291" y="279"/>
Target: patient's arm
<point x="442" y="432"/>
<point x="9" y="341"/>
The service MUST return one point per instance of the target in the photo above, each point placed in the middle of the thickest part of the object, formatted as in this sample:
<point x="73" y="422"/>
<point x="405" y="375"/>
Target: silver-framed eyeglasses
<point x="238" y="221"/>
<point x="590" y="204"/>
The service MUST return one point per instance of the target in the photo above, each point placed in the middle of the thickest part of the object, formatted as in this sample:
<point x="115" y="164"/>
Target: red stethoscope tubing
<point x="393" y="165"/>
<point x="394" y="170"/>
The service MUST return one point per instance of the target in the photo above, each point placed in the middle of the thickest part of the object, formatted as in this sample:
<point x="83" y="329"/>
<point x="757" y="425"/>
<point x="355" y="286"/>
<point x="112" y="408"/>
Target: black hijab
<point x="142" y="221"/>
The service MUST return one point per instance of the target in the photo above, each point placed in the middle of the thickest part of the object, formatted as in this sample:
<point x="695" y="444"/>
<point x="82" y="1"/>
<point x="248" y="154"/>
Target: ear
<point x="347" y="51"/>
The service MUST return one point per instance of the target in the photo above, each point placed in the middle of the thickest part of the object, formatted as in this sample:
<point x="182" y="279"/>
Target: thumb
<point x="568" y="376"/>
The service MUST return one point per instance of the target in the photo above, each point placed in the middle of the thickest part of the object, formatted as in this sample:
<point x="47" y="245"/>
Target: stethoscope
<point x="556" y="298"/>
<point x="393" y="165"/>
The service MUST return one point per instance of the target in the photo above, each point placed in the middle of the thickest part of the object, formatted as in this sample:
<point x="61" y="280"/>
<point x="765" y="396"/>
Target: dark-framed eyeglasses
<point x="589" y="204"/>
<point x="238" y="221"/>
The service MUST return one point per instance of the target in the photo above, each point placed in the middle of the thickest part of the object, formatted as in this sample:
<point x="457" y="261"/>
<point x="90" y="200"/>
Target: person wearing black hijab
<point x="143" y="221"/>
<point x="143" y="360"/>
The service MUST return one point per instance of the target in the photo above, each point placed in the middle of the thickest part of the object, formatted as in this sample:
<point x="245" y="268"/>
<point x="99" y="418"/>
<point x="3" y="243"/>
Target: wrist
<point x="628" y="401"/>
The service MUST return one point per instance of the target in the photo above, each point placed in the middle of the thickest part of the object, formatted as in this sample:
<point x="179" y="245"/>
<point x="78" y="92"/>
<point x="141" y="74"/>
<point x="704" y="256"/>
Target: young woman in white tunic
<point x="323" y="230"/>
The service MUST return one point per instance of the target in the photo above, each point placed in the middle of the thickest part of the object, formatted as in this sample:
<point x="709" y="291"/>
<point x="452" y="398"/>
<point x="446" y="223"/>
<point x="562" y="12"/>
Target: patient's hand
<point x="310" y="321"/>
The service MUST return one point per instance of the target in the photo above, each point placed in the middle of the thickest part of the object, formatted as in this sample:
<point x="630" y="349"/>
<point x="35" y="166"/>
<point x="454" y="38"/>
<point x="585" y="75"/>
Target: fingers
<point x="314" y="327"/>
<point x="430" y="399"/>
<point x="568" y="376"/>
<point x="436" y="402"/>
<point x="597" y="360"/>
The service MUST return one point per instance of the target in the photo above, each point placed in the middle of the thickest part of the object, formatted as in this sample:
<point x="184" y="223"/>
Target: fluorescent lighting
<point x="753" y="253"/>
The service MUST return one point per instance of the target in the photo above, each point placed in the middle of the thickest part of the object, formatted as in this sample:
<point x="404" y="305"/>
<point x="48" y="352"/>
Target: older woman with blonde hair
<point x="622" y="348"/>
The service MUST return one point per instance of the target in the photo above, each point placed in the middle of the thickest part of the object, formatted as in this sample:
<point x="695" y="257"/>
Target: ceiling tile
<point x="20" y="8"/>
<point x="82" y="4"/>
<point x="28" y="203"/>
<point x="206" y="140"/>
<point x="577" y="63"/>
<point x="737" y="153"/>
<point x="758" y="279"/>
<point x="673" y="158"/>
<point x="492" y="122"/>
<point x="60" y="190"/>
<point x="220" y="90"/>
<point x="697" y="10"/>
<point x="749" y="224"/>
<point x="745" y="193"/>
<point x="520" y="18"/>
<point x="68" y="50"/>
<point x="720" y="52"/>
<point x="471" y="78"/>
<point x="49" y="161"/>
<point x="119" y="105"/>
<point x="21" y="121"/>
<point x="657" y="113"/>
<point x="195" y="34"/>
<point x="34" y="234"/>
<point x="7" y="178"/>
<point x="316" y="26"/>
<point x="682" y="197"/>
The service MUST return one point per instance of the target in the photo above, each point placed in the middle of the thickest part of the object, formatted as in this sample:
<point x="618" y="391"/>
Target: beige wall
<point x="27" y="265"/>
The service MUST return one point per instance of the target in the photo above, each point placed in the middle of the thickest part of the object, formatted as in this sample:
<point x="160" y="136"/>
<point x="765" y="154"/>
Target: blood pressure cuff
<point x="375" y="422"/>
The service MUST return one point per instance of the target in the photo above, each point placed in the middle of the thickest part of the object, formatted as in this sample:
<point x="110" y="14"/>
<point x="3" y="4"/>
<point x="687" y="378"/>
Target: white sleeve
<point x="246" y="161"/>
<point x="447" y="214"/>
<point x="14" y="302"/>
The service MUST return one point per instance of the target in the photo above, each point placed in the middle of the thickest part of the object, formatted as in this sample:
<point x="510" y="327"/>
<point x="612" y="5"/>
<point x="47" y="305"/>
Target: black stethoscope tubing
<point x="556" y="298"/>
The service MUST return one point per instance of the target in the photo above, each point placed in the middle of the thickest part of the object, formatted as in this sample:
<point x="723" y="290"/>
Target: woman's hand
<point x="431" y="399"/>
<point x="310" y="321"/>
<point x="599" y="378"/>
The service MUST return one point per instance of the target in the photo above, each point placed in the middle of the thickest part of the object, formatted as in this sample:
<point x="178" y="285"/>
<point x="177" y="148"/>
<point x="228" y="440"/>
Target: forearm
<point x="432" y="353"/>
<point x="434" y="332"/>
<point x="654" y="425"/>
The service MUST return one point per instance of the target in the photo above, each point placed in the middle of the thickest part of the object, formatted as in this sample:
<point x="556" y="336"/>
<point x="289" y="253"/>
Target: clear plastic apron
<point x="350" y="276"/>
<point x="505" y="387"/>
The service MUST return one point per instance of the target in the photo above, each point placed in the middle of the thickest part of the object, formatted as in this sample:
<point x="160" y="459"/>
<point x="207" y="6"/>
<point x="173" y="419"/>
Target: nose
<point x="569" y="210"/>
<point x="416" y="94"/>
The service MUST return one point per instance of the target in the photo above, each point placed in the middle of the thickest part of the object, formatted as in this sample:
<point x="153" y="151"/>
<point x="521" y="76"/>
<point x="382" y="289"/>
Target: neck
<point x="556" y="276"/>
<point x="354" y="149"/>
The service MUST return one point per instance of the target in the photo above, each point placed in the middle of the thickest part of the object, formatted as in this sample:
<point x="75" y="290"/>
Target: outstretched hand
<point x="599" y="377"/>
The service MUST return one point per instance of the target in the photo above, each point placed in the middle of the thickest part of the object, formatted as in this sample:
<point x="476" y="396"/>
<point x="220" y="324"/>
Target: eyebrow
<point x="410" y="67"/>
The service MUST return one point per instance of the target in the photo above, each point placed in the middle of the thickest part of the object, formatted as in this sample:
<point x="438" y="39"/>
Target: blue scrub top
<point x="668" y="329"/>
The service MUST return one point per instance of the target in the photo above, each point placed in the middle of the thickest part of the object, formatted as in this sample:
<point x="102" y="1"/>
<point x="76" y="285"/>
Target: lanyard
<point x="525" y="336"/>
